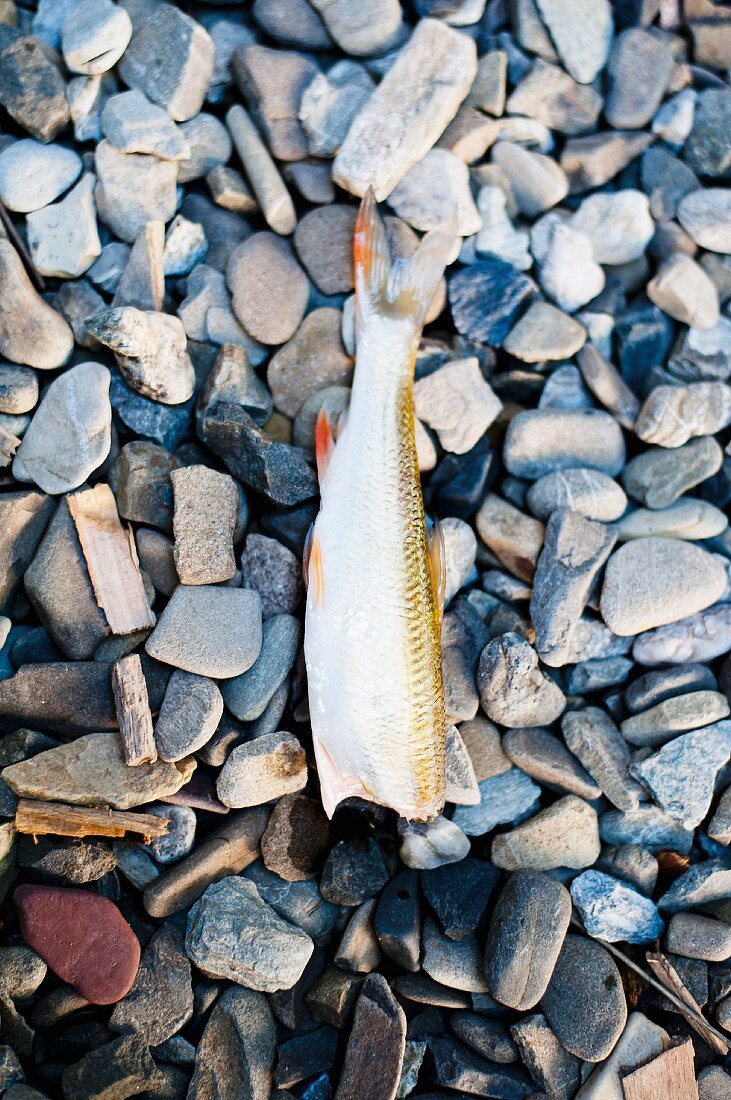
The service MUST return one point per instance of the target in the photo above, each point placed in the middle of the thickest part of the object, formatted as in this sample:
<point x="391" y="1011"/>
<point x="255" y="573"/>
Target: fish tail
<point x="401" y="288"/>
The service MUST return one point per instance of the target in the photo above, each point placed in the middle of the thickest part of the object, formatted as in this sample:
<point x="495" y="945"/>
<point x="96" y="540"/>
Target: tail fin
<point x="401" y="288"/>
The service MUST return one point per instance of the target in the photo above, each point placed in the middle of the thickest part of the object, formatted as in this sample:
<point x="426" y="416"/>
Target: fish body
<point x="373" y="617"/>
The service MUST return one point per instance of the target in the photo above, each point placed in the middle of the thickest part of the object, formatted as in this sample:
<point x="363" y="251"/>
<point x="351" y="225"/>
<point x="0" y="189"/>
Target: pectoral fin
<point x="438" y="563"/>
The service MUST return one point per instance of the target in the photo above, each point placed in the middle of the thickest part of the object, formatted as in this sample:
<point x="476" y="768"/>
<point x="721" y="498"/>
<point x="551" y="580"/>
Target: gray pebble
<point x="659" y="722"/>
<point x="513" y="690"/>
<point x="698" y="937"/>
<point x="209" y="631"/>
<point x="189" y="715"/>
<point x="543" y="441"/>
<point x="681" y="776"/>
<point x="248" y="695"/>
<point x="595" y="740"/>
<point x="588" y="492"/>
<point x="658" y="477"/>
<point x="585" y="1003"/>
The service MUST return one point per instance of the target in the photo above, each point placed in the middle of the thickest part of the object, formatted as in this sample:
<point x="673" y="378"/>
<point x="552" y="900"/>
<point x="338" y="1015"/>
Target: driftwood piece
<point x="40" y="818"/>
<point x="688" y="1005"/>
<point x="133" y="711"/>
<point x="670" y="1076"/>
<point x="111" y="559"/>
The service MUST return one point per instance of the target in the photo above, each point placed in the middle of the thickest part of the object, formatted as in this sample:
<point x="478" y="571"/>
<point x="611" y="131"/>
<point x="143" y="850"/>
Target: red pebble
<point x="83" y="937"/>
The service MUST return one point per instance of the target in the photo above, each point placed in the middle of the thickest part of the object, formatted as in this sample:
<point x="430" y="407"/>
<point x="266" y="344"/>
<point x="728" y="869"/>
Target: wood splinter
<point x="58" y="819"/>
<point x="111" y="559"/>
<point x="133" y="711"/>
<point x="670" y="1076"/>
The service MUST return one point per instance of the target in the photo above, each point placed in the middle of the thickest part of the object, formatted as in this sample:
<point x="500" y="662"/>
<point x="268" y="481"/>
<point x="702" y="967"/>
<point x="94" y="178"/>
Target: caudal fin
<point x="401" y="288"/>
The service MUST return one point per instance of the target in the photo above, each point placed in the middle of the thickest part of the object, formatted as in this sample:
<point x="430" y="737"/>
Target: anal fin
<point x="334" y="785"/>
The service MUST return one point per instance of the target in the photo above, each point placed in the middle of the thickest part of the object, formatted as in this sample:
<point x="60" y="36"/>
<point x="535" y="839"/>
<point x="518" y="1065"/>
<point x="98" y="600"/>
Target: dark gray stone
<point x="190" y="713"/>
<point x="248" y="695"/>
<point x="160" y="1002"/>
<point x="121" y="1068"/>
<point x="640" y="68"/>
<point x="486" y="298"/>
<point x="354" y="871"/>
<point x="32" y="89"/>
<point x="236" y="1051"/>
<point x="584" y="1002"/>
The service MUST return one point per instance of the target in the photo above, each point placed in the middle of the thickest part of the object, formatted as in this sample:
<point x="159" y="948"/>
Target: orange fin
<point x="438" y="563"/>
<point x="312" y="565"/>
<point x="334" y="785"/>
<point x="324" y="443"/>
<point x="401" y="287"/>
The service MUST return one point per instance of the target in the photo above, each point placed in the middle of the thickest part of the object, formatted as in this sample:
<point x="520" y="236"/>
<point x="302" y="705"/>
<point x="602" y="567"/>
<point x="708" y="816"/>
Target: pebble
<point x="513" y="690"/>
<point x="618" y="224"/>
<point x="564" y="835"/>
<point x="295" y="841"/>
<point x="640" y="70"/>
<point x="569" y="274"/>
<point x="375" y="1052"/>
<point x="70" y="434"/>
<point x="698" y="937"/>
<point x="640" y="1043"/>
<point x="189" y="715"/>
<point x="135" y="125"/>
<point x="63" y="237"/>
<point x="538" y="182"/>
<point x="486" y="298"/>
<point x="608" y="386"/>
<point x="161" y="1000"/>
<point x="209" y="631"/>
<point x="410" y="108"/>
<point x="269" y="289"/>
<point x="542" y="756"/>
<point x="263" y="769"/>
<point x="584" y="1002"/>
<point x="613" y="911"/>
<point x="237" y="1048"/>
<point x="649" y="582"/>
<point x="580" y="489"/>
<point x="32" y="89"/>
<point x="329" y="104"/>
<point x="544" y="441"/>
<point x="459" y="894"/>
<point x="170" y="59"/>
<point x="497" y="235"/>
<point x="681" y="776"/>
<point x="544" y="332"/>
<point x="515" y="538"/>
<point x="435" y="844"/>
<point x="263" y="175"/>
<point x="700" y="637"/>
<point x="526" y="933"/>
<point x="298" y="902"/>
<point x="94" y="36"/>
<point x="180" y="837"/>
<point x="354" y="871"/>
<point x="702" y="884"/>
<point x="706" y="215"/>
<point x="682" y="288"/>
<point x="32" y="174"/>
<point x="597" y="158"/>
<point x="457" y="965"/>
<point x="658" y="477"/>
<point x="312" y="360"/>
<point x="31" y="332"/>
<point x="233" y="933"/>
<point x="594" y="739"/>
<point x="272" y="82"/>
<point x="210" y="148"/>
<point x="206" y="506"/>
<point x="124" y="1065"/>
<point x="672" y="415"/>
<point x="457" y="403"/>
<point x="686" y="519"/>
<point x="574" y="552"/>
<point x="551" y="1067"/>
<point x="582" y="34"/>
<point x="133" y="189"/>
<point x="82" y="937"/>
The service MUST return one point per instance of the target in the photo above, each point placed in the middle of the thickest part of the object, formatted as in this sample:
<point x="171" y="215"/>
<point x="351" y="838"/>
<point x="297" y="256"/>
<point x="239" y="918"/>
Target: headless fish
<point x="375" y="572"/>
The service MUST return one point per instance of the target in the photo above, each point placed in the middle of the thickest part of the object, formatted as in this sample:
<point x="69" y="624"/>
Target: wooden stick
<point x="688" y="1006"/>
<point x="670" y="1076"/>
<point x="19" y="244"/>
<point x="111" y="560"/>
<point x="133" y="711"/>
<point x="58" y="819"/>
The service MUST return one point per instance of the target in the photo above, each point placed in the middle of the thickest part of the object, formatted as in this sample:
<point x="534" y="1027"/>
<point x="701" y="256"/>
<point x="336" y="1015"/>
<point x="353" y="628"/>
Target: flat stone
<point x="543" y="441"/>
<point x="431" y="845"/>
<point x="569" y="273"/>
<point x="504" y="799"/>
<point x="269" y="289"/>
<point x="618" y="224"/>
<point x="542" y="756"/>
<point x="94" y="36"/>
<point x="457" y="403"/>
<point x="486" y="297"/>
<point x="544" y="332"/>
<point x="375" y="29"/>
<point x="209" y="631"/>
<point x="597" y="158"/>
<point x="170" y="59"/>
<point x="263" y="769"/>
<point x="273" y="82"/>
<point x="135" y="125"/>
<point x="273" y="468"/>
<point x="515" y="538"/>
<point x="608" y="386"/>
<point x="655" y="687"/>
<point x="161" y="1000"/>
<point x="681" y="776"/>
<point x="329" y="104"/>
<point x="612" y="911"/>
<point x="354" y="871"/>
<point x="585" y="1003"/>
<point x="538" y="182"/>
<point x="189" y="715"/>
<point x="431" y="190"/>
<point x="648" y="826"/>
<point x="574" y="551"/>
<point x="700" y="637"/>
<point x="133" y="189"/>
<point x="33" y="174"/>
<point x="376" y="1044"/>
<point x="247" y="696"/>
<point x="70" y="434"/>
<point x="680" y="712"/>
<point x="457" y="964"/>
<point x="232" y="933"/>
<point x="564" y="835"/>
<point x="698" y="937"/>
<point x="584" y="491"/>
<point x="31" y="332"/>
<point x="672" y="415"/>
<point x="32" y="89"/>
<point x="706" y="215"/>
<point x="582" y="34"/>
<point x="652" y="581"/>
<point x="549" y="1064"/>
<point x="658" y="477"/>
<point x="682" y="288"/>
<point x="488" y="1037"/>
<point x="206" y="506"/>
<point x="408" y="111"/>
<point x="311" y="361"/>
<point x="702" y="884"/>
<point x="497" y="235"/>
<point x="210" y="148"/>
<point x="91" y="770"/>
<point x="513" y="690"/>
<point x="595" y="740"/>
<point x="237" y="1047"/>
<point x="526" y="933"/>
<point x="640" y="69"/>
<point x="82" y="937"/>
<point x="640" y="1042"/>
<point x="295" y="841"/>
<point x="549" y="94"/>
<point x="598" y="673"/>
<point x="140" y="481"/>
<point x="63" y="237"/>
<point x="124" y="1066"/>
